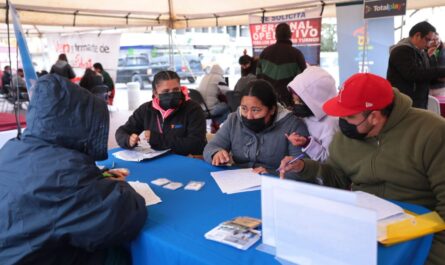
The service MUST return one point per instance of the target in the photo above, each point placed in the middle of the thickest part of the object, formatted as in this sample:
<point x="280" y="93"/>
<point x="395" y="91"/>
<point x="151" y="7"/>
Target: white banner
<point x="86" y="49"/>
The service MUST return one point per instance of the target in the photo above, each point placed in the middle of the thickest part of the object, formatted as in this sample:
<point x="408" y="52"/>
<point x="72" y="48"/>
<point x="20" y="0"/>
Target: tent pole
<point x="170" y="34"/>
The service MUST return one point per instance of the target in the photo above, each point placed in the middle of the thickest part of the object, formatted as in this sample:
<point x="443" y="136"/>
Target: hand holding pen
<point x="290" y="163"/>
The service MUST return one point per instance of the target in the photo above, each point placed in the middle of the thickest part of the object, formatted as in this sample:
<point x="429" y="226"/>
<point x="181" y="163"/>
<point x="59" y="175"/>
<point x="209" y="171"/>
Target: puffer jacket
<point x="55" y="206"/>
<point x="212" y="85"/>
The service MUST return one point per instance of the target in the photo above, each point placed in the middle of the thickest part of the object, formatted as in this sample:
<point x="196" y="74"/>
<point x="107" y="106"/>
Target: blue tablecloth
<point x="175" y="228"/>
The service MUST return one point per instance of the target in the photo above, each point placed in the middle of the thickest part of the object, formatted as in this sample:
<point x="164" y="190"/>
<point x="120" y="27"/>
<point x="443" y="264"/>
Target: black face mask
<point x="302" y="110"/>
<point x="350" y="130"/>
<point x="170" y="100"/>
<point x="256" y="125"/>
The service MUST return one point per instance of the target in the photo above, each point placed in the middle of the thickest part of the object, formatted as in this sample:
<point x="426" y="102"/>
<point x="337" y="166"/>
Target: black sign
<point x="384" y="8"/>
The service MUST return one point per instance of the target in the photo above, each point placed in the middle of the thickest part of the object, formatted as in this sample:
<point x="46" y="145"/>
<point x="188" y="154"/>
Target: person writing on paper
<point x="56" y="207"/>
<point x="310" y="90"/>
<point x="170" y="121"/>
<point x="387" y="148"/>
<point x="255" y="134"/>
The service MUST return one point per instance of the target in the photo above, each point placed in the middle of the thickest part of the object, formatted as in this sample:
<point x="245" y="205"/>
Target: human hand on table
<point x="259" y="170"/>
<point x="221" y="157"/>
<point x="133" y="140"/>
<point x="117" y="174"/>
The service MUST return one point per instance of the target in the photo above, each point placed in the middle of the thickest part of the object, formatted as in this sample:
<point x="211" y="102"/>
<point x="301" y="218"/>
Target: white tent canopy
<point x="170" y="13"/>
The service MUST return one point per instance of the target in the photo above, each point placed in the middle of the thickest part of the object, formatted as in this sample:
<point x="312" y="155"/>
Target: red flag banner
<point x="305" y="27"/>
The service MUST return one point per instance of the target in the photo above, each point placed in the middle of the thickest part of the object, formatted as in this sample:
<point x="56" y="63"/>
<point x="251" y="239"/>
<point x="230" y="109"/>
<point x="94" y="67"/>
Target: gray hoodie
<point x="62" y="68"/>
<point x="250" y="149"/>
<point x="212" y="85"/>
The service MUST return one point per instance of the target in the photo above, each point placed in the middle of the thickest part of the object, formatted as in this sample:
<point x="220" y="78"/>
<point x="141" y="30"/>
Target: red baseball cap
<point x="360" y="92"/>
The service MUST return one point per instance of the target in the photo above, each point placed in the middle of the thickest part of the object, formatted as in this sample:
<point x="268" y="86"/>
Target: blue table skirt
<point x="175" y="228"/>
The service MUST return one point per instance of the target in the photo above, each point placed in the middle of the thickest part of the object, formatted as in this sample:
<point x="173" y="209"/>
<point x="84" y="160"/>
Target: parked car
<point x="187" y="66"/>
<point x="134" y="69"/>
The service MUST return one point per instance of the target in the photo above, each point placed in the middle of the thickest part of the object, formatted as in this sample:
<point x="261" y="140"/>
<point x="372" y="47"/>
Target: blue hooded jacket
<point x="55" y="206"/>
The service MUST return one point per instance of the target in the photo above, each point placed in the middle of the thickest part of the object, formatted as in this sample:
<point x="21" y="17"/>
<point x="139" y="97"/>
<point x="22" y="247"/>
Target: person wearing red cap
<point x="387" y="148"/>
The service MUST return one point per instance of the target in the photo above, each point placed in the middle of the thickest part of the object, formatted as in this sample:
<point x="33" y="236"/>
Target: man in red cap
<point x="387" y="148"/>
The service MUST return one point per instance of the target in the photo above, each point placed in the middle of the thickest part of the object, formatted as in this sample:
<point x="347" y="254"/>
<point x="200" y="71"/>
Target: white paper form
<point x="383" y="208"/>
<point x="270" y="186"/>
<point x="314" y="230"/>
<point x="237" y="180"/>
<point x="138" y="154"/>
<point x="146" y="192"/>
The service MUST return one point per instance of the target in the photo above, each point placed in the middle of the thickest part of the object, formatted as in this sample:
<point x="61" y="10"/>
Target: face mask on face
<point x="350" y="130"/>
<point x="256" y="125"/>
<point x="171" y="100"/>
<point x="302" y="110"/>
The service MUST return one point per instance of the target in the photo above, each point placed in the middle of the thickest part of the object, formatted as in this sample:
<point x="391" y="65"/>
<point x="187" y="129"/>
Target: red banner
<point x="304" y="32"/>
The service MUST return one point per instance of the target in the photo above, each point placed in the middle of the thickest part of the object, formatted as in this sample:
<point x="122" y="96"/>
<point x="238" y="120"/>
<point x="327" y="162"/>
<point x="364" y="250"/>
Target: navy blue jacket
<point x="55" y="208"/>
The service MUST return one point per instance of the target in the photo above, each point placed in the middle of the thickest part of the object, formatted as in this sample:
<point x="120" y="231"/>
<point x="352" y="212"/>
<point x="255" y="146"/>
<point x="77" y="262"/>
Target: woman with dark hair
<point x="255" y="135"/>
<point x="90" y="79"/>
<point x="170" y="121"/>
<point x="62" y="67"/>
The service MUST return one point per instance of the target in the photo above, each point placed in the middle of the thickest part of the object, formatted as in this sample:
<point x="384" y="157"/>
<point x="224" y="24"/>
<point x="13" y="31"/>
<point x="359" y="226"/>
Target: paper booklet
<point x="139" y="153"/>
<point x="146" y="192"/>
<point x="234" y="234"/>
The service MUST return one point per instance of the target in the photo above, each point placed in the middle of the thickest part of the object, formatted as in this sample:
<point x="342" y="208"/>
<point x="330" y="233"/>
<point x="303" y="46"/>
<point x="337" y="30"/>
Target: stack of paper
<point x="146" y="192"/>
<point x="138" y="154"/>
<point x="383" y="208"/>
<point x="237" y="180"/>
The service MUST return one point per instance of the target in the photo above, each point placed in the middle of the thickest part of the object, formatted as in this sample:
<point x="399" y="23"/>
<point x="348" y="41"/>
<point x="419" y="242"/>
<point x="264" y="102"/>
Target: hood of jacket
<point x="406" y="42"/>
<point x="62" y="113"/>
<point x="217" y="70"/>
<point x="314" y="86"/>
<point x="402" y="105"/>
<point x="60" y="64"/>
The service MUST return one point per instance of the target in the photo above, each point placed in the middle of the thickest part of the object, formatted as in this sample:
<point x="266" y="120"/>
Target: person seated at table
<point x="254" y="136"/>
<point x="90" y="79"/>
<point x="62" y="67"/>
<point x="56" y="207"/>
<point x="310" y="90"/>
<point x="170" y="121"/>
<point x="18" y="81"/>
<point x="212" y="88"/>
<point x="387" y="148"/>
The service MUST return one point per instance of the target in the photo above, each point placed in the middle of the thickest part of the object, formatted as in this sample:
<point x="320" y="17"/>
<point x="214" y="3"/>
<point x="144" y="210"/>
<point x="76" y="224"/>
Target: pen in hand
<point x="300" y="156"/>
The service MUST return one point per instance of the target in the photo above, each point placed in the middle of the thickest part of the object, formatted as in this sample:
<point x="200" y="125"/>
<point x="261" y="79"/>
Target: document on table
<point x="328" y="226"/>
<point x="237" y="180"/>
<point x="383" y="208"/>
<point x="146" y="192"/>
<point x="139" y="153"/>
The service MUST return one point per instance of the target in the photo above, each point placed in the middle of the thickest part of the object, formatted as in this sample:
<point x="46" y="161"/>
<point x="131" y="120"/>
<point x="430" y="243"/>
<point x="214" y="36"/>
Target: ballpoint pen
<point x="300" y="156"/>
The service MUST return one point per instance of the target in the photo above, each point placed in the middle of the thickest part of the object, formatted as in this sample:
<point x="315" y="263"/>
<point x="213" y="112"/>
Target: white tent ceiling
<point x="108" y="14"/>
